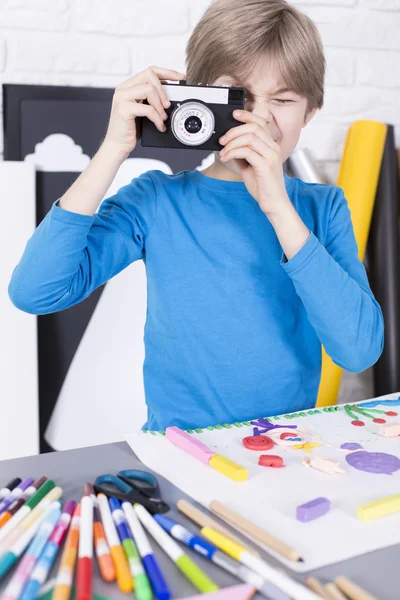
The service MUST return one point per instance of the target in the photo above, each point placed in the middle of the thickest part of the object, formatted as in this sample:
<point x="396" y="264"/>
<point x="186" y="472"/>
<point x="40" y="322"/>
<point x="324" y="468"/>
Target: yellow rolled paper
<point x="358" y="177"/>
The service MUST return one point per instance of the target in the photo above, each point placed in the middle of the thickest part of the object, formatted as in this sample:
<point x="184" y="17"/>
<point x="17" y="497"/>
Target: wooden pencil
<point x="317" y="587"/>
<point x="333" y="593"/>
<point x="352" y="590"/>
<point x="203" y="520"/>
<point x="255" y="531"/>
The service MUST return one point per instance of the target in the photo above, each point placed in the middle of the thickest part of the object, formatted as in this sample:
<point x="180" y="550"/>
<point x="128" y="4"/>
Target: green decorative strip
<point x="315" y="411"/>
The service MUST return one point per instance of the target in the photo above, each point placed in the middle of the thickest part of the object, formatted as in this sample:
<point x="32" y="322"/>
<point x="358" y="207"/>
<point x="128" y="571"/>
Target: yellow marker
<point x="379" y="508"/>
<point x="222" y="542"/>
<point x="228" y="467"/>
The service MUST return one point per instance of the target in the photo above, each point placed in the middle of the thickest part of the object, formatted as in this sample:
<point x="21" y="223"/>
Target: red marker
<point x="85" y="552"/>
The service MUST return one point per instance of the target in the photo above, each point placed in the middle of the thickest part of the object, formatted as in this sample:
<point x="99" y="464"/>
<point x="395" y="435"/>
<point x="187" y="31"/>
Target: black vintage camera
<point x="197" y="117"/>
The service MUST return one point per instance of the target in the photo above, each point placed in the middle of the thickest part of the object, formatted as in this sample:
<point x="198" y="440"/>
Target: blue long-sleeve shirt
<point x="233" y="329"/>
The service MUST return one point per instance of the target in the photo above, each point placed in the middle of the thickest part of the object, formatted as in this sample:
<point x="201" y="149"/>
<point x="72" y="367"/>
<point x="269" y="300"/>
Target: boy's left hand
<point x="258" y="157"/>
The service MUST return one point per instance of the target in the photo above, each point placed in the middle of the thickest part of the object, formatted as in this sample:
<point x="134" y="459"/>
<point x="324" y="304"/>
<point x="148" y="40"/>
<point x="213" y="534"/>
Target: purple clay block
<point x="312" y="510"/>
<point x="351" y="446"/>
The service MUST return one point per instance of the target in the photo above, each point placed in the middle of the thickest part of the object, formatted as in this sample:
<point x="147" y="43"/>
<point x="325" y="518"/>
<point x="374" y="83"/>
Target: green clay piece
<point x="218" y="427"/>
<point x="246" y="423"/>
<point x="210" y="428"/>
<point x="162" y="432"/>
<point x="302" y="414"/>
<point x="198" y="430"/>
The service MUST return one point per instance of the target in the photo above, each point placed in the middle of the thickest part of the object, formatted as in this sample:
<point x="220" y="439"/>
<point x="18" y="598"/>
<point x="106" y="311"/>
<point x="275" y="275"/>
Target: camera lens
<point x="193" y="124"/>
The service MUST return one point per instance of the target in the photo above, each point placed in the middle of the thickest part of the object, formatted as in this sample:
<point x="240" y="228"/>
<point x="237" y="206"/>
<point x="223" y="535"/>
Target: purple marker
<point x="312" y="510"/>
<point x="15" y="493"/>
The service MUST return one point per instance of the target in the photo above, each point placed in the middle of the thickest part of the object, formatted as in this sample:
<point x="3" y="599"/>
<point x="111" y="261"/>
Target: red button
<point x="271" y="460"/>
<point x="257" y="442"/>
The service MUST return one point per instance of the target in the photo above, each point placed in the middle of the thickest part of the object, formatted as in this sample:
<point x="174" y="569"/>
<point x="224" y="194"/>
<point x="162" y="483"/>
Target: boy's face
<point x="284" y="112"/>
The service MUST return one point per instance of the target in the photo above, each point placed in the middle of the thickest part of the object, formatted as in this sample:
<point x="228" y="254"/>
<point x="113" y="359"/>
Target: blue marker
<point x="140" y="580"/>
<point x="183" y="535"/>
<point x="48" y="555"/>
<point x="150" y="563"/>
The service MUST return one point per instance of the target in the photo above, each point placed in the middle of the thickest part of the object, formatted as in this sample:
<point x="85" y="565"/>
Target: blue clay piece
<point x="382" y="402"/>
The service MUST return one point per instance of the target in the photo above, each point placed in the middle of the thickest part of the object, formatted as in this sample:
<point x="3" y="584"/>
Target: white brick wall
<point x="101" y="43"/>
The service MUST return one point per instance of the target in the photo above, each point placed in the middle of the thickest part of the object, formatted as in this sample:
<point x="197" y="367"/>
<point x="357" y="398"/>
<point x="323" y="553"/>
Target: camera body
<point x="197" y="117"/>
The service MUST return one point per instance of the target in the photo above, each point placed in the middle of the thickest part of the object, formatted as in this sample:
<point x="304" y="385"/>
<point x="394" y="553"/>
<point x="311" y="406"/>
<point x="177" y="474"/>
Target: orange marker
<point x="65" y="575"/>
<point x="123" y="574"/>
<point x="106" y="564"/>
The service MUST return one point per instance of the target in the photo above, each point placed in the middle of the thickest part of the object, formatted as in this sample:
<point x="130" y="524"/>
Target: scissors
<point x="133" y="486"/>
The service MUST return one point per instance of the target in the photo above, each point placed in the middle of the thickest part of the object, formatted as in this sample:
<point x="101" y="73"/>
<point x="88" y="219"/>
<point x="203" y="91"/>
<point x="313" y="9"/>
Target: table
<point x="378" y="571"/>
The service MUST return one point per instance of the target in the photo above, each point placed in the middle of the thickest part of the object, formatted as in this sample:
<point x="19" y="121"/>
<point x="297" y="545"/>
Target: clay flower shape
<point x="307" y="446"/>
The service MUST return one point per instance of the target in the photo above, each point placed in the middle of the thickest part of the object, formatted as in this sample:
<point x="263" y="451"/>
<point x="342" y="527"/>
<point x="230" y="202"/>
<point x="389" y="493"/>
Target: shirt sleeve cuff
<point x="71" y="218"/>
<point x="302" y="257"/>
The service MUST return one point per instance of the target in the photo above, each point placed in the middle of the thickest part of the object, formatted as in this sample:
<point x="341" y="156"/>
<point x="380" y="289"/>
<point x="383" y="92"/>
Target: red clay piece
<point x="391" y="413"/>
<point x="270" y="460"/>
<point x="378" y="420"/>
<point x="257" y="442"/>
<point x="285" y="435"/>
<point x="358" y="423"/>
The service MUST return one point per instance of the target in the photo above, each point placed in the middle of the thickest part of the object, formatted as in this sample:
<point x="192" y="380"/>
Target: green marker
<point x="141" y="583"/>
<point x="26" y="508"/>
<point x="189" y="568"/>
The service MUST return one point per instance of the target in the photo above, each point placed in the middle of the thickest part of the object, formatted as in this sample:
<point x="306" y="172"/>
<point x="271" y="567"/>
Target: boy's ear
<point x="309" y="116"/>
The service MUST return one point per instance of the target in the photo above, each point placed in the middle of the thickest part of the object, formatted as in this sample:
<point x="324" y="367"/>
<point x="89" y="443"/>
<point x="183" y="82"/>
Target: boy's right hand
<point x="122" y="132"/>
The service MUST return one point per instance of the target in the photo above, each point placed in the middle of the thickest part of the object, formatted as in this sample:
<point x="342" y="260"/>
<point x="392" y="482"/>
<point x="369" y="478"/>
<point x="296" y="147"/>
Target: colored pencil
<point x="279" y="578"/>
<point x="122" y="571"/>
<point x="15" y="493"/>
<point x="17" y="503"/>
<point x="29" y="518"/>
<point x="140" y="580"/>
<point x="26" y="509"/>
<point x="211" y="552"/>
<point x="65" y="575"/>
<point x="9" y="487"/>
<point x="154" y="573"/>
<point x="103" y="554"/>
<point x="246" y="527"/>
<point x="49" y="553"/>
<point x="184" y="563"/>
<point x="16" y="585"/>
<point x="84" y="573"/>
<point x="8" y="559"/>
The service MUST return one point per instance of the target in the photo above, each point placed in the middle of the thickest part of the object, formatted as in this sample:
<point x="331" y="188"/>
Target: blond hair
<point x="232" y="35"/>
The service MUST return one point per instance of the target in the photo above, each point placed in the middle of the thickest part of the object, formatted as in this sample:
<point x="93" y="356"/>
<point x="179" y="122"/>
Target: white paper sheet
<point x="270" y="496"/>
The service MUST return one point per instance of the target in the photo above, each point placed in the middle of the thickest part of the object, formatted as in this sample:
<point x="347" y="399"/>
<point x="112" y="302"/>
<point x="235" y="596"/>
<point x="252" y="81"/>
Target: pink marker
<point x="189" y="444"/>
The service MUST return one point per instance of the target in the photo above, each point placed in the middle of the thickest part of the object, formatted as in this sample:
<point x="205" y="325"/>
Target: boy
<point x="248" y="270"/>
